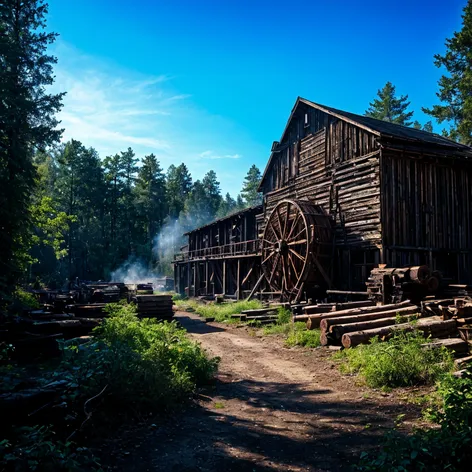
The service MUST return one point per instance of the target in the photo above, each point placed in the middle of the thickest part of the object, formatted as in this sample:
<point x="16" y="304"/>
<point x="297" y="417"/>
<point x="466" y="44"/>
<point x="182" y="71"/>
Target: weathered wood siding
<point x="427" y="212"/>
<point x="335" y="165"/>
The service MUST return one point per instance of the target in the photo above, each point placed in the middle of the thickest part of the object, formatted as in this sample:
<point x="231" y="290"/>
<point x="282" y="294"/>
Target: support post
<point x="224" y="278"/>
<point x="238" y="281"/>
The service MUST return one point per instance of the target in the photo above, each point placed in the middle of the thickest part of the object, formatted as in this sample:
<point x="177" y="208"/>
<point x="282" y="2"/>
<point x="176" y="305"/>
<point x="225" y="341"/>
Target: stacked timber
<point x="261" y="315"/>
<point x="333" y="329"/>
<point x="391" y="285"/>
<point x="154" y="306"/>
<point x="95" y="310"/>
<point x="144" y="289"/>
<point x="313" y="320"/>
<point x="433" y="327"/>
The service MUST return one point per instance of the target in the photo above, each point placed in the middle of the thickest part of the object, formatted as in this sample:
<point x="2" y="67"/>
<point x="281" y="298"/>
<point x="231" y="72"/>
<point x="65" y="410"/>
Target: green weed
<point x="447" y="447"/>
<point x="295" y="334"/>
<point x="400" y="362"/>
<point x="219" y="311"/>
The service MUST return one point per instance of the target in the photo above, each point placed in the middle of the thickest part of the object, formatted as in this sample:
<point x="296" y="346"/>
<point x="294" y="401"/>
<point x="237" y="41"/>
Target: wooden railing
<point x="243" y="248"/>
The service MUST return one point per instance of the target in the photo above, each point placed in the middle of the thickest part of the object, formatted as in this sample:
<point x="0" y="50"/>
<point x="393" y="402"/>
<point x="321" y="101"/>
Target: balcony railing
<point x="243" y="248"/>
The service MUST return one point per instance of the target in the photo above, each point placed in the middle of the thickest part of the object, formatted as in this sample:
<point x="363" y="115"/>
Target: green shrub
<point x="143" y="363"/>
<point x="37" y="448"/>
<point x="447" y="447"/>
<point x="284" y="315"/>
<point x="399" y="362"/>
<point x="24" y="299"/>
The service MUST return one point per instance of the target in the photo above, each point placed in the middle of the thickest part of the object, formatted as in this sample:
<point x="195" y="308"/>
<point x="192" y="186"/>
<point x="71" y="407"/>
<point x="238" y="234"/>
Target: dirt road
<point x="271" y="409"/>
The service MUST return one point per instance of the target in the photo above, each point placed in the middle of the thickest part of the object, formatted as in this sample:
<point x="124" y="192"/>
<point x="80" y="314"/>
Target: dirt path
<point x="271" y="409"/>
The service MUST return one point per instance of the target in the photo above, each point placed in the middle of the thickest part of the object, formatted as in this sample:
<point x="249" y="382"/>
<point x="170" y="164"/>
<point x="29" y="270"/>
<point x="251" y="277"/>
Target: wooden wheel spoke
<point x="284" y="274"/>
<point x="300" y="241"/>
<point x="279" y="220"/>
<point x="277" y="236"/>
<point x="287" y="214"/>
<point x="294" y="225"/>
<point x="295" y="253"/>
<point x="298" y="234"/>
<point x="293" y="265"/>
<point x="268" y="257"/>
<point x="274" y="267"/>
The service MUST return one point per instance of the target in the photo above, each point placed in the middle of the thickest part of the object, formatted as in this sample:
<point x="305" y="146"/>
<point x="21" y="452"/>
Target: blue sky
<point x="212" y="83"/>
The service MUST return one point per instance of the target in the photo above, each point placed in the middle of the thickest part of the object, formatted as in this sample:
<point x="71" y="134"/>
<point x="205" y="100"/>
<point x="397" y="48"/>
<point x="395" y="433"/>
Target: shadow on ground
<point x="241" y="424"/>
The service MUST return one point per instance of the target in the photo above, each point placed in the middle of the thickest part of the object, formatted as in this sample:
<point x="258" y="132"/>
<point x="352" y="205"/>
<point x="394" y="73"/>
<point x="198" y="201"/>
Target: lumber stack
<point x="262" y="315"/>
<point x="313" y="321"/>
<point x="333" y="329"/>
<point x="390" y="285"/>
<point x="154" y="306"/>
<point x="435" y="328"/>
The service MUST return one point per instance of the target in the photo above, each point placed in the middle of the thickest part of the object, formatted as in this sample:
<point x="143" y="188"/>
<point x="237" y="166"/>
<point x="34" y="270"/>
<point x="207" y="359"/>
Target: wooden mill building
<point x="342" y="193"/>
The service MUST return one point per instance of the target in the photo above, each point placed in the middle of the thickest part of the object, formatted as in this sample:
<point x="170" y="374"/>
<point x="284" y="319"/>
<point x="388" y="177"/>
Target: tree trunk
<point x="327" y="323"/>
<point x="313" y="321"/>
<point x="433" y="328"/>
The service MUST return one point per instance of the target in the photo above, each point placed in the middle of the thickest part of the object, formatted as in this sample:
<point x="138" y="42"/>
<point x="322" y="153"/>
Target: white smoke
<point x="169" y="240"/>
<point x="134" y="272"/>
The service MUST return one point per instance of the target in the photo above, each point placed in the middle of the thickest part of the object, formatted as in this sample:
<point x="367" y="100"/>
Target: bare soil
<point x="272" y="408"/>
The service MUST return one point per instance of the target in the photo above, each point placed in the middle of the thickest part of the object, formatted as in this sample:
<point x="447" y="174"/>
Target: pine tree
<point x="428" y="126"/>
<point x="227" y="206"/>
<point x="178" y="186"/>
<point x="149" y="204"/>
<point x="197" y="209"/>
<point x="212" y="192"/>
<point x="389" y="108"/>
<point x="455" y="87"/>
<point x="27" y="117"/>
<point x="251" y="183"/>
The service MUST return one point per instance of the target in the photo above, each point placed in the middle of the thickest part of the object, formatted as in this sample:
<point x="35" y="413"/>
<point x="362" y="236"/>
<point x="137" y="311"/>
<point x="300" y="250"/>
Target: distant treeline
<point x="108" y="211"/>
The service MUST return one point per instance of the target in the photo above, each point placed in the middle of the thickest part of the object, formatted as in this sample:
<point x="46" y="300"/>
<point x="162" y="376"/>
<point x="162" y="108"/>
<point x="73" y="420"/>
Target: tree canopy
<point x="388" y="107"/>
<point x="27" y="115"/>
<point x="455" y="86"/>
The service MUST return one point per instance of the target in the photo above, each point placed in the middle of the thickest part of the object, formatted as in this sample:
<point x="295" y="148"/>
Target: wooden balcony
<point x="242" y="249"/>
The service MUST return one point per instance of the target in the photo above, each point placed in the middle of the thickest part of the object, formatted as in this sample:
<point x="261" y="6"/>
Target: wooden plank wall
<point x="332" y="174"/>
<point x="427" y="212"/>
<point x="337" y="167"/>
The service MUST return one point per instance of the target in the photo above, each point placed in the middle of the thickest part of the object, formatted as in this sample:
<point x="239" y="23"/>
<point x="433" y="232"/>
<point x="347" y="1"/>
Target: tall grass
<point x="219" y="311"/>
<point x="295" y="334"/>
<point x="400" y="362"/>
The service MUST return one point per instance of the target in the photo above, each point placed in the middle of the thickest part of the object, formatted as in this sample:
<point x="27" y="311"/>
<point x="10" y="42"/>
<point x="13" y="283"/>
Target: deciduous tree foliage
<point x="27" y="117"/>
<point x="456" y="85"/>
<point x="388" y="107"/>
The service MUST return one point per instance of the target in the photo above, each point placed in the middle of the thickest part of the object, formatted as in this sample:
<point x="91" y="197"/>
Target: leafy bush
<point x="36" y="448"/>
<point x="400" y="362"/>
<point x="143" y="363"/>
<point x="24" y="299"/>
<point x="284" y="315"/>
<point x="445" y="448"/>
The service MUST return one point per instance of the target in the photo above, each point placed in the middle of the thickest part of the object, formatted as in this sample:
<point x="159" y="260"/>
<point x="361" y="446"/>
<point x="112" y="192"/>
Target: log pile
<point x="392" y="285"/>
<point x="261" y="315"/>
<point x="154" y="306"/>
<point x="358" y="325"/>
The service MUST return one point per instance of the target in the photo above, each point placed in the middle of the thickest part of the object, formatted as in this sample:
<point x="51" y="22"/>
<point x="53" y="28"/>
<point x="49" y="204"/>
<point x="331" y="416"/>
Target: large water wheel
<point x="297" y="249"/>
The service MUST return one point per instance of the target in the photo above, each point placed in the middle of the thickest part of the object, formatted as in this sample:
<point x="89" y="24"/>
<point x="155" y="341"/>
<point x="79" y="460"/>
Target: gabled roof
<point x="227" y="217"/>
<point x="381" y="128"/>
